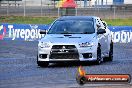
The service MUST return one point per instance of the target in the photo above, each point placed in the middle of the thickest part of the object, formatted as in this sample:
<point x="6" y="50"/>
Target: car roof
<point x="90" y="18"/>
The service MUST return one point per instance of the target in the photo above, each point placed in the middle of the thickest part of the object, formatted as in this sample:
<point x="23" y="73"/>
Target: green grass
<point x="119" y="22"/>
<point x="48" y="20"/>
<point x="26" y="20"/>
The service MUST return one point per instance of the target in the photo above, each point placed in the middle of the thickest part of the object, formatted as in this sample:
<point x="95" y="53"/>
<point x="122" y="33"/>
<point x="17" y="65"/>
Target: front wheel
<point x="110" y="54"/>
<point x="99" y="57"/>
<point x="110" y="58"/>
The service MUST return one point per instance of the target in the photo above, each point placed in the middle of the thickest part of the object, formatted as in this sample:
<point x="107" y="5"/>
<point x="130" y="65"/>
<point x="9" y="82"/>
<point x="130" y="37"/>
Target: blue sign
<point x="30" y="32"/>
<point x="25" y="32"/>
<point x="118" y="2"/>
<point x="121" y="34"/>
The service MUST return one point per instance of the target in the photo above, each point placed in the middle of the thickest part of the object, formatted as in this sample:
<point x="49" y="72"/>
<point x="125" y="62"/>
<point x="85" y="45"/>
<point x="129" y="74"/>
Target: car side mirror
<point x="101" y="31"/>
<point x="43" y="32"/>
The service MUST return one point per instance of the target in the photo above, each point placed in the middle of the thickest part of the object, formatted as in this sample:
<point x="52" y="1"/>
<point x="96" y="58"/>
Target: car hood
<point x="68" y="38"/>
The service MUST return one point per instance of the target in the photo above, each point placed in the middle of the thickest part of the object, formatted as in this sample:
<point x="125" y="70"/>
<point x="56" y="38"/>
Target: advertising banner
<point x="121" y="34"/>
<point x="30" y="32"/>
<point x="26" y="32"/>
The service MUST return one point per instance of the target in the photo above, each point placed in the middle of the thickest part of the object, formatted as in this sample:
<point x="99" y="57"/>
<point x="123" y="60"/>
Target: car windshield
<point x="72" y="27"/>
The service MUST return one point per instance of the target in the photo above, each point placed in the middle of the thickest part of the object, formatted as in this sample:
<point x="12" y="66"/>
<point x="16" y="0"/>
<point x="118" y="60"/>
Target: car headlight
<point x="44" y="45"/>
<point x="86" y="44"/>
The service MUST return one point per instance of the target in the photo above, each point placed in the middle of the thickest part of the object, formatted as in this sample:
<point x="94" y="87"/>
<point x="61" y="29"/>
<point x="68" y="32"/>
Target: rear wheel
<point x="42" y="63"/>
<point x="99" y="57"/>
<point x="110" y="58"/>
<point x="110" y="55"/>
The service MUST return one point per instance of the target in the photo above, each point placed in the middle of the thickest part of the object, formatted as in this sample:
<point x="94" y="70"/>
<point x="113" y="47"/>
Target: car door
<point x="102" y="37"/>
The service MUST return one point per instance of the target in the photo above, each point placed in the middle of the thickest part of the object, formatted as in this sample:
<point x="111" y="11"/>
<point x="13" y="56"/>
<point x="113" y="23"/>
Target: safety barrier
<point x="26" y="32"/>
<point x="30" y="32"/>
<point x="121" y="34"/>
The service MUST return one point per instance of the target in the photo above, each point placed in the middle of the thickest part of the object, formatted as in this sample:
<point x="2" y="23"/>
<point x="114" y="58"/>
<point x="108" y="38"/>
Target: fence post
<point x="7" y="8"/>
<point x="98" y="7"/>
<point x="41" y="8"/>
<point x="0" y="4"/>
<point x="58" y="11"/>
<point x="114" y="11"/>
<point x="76" y="11"/>
<point x="24" y="8"/>
<point x="106" y="2"/>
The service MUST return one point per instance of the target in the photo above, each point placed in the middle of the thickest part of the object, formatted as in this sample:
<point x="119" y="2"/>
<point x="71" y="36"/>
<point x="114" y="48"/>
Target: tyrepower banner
<point x="121" y="34"/>
<point x="30" y="32"/>
<point x="26" y="32"/>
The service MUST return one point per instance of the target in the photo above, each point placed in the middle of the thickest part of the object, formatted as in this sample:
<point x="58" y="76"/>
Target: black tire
<point x="42" y="63"/>
<point x="110" y="58"/>
<point x="99" y="57"/>
<point x="81" y="80"/>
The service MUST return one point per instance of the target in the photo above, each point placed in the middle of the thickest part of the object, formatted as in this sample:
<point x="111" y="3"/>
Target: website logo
<point x="82" y="78"/>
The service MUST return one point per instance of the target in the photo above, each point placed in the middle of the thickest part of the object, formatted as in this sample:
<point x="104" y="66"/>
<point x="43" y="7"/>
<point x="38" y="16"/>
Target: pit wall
<point x="30" y="32"/>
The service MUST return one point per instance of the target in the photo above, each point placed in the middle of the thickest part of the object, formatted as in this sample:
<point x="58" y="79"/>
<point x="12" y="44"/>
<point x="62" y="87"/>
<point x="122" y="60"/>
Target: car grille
<point x="61" y="46"/>
<point x="64" y="56"/>
<point x="64" y="52"/>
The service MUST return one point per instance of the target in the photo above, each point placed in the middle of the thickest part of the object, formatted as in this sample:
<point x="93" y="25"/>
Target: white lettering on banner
<point x="32" y="33"/>
<point x="25" y="34"/>
<point x="123" y="36"/>
<point x="22" y="33"/>
<point x="129" y="36"/>
<point x="14" y="34"/>
<point x="10" y="27"/>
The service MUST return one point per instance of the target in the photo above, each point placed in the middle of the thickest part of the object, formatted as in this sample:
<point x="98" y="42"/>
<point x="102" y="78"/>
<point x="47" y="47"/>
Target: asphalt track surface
<point x="18" y="68"/>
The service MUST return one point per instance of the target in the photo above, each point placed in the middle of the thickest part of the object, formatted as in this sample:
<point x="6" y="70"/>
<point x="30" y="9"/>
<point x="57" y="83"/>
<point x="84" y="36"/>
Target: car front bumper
<point x="83" y="54"/>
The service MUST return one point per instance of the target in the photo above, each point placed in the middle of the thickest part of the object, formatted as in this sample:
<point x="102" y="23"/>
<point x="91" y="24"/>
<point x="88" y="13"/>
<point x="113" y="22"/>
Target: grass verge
<point x="48" y="20"/>
<point x="119" y="22"/>
<point x="26" y="20"/>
